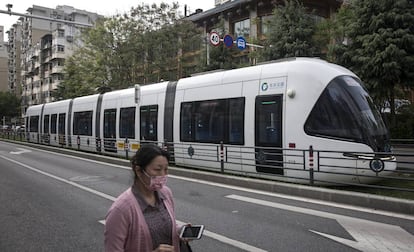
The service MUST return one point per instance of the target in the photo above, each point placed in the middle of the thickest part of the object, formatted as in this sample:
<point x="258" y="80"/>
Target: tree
<point x="9" y="105"/>
<point x="334" y="33"/>
<point x="143" y="46"/>
<point x="380" y="46"/>
<point x="291" y="32"/>
<point x="88" y="68"/>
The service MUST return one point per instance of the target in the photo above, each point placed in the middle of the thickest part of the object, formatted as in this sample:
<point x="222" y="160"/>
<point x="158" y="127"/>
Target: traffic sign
<point x="241" y="43"/>
<point x="214" y="38"/>
<point x="228" y="41"/>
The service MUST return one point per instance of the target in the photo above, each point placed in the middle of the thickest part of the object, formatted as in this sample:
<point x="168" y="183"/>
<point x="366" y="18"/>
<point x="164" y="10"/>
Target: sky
<point x="105" y="8"/>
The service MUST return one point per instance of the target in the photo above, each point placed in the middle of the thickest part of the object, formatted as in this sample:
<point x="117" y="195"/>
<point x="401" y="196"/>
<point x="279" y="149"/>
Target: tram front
<point x="346" y="112"/>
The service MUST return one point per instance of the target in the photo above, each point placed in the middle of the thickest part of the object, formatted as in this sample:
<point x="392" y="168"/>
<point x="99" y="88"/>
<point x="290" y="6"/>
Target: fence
<point x="374" y="172"/>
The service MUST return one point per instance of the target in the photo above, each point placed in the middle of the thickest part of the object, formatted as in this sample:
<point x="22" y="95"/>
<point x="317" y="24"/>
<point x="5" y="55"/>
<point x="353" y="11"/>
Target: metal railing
<point x="305" y="166"/>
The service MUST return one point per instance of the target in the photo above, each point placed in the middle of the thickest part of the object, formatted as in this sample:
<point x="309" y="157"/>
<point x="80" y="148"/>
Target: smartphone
<point x="193" y="232"/>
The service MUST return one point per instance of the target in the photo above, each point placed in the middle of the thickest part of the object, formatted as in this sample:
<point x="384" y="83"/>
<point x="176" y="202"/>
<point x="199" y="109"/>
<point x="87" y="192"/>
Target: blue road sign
<point x="241" y="43"/>
<point x="228" y="41"/>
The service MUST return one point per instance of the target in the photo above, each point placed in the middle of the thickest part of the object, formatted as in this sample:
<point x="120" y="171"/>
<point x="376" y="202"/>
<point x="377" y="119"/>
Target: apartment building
<point x="13" y="62"/>
<point x="3" y="62"/>
<point x="38" y="48"/>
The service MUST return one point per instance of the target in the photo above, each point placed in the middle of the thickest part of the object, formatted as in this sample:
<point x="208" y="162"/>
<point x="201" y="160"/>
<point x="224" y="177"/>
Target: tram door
<point x="109" y="130"/>
<point x="268" y="134"/>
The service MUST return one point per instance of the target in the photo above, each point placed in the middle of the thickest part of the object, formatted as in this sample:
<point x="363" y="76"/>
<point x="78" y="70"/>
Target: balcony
<point x="47" y="46"/>
<point x="57" y="69"/>
<point x="37" y="64"/>
<point x="58" y="55"/>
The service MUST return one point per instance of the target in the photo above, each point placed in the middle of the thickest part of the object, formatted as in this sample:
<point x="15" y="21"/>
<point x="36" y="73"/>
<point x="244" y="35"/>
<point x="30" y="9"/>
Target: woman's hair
<point x="146" y="154"/>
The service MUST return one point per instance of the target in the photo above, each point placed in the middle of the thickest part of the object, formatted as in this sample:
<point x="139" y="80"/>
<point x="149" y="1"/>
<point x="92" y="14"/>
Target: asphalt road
<point x="55" y="202"/>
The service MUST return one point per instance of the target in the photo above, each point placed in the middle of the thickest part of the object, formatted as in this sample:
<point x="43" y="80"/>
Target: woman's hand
<point x="164" y="248"/>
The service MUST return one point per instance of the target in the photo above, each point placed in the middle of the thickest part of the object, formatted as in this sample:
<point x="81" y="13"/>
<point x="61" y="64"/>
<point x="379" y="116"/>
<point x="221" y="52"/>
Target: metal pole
<point x="222" y="156"/>
<point x="126" y="146"/>
<point x="207" y="51"/>
<point x="311" y="165"/>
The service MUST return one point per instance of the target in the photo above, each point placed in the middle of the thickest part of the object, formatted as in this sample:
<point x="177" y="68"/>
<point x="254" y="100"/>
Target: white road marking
<point x="221" y="238"/>
<point x="369" y="235"/>
<point x="85" y="159"/>
<point x="20" y="152"/>
<point x="103" y="195"/>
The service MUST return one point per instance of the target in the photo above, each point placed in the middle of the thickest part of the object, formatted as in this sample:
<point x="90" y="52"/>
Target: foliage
<point x="334" y="33"/>
<point x="291" y="32"/>
<point x="143" y="46"/>
<point x="404" y="129"/>
<point x="87" y="69"/>
<point x="9" y="105"/>
<point x="381" y="45"/>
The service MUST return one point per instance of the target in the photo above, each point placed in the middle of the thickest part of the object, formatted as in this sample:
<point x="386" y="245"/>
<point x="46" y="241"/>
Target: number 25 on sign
<point x="214" y="38"/>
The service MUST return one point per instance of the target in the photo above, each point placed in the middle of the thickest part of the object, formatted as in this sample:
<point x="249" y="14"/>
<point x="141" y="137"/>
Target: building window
<point x="264" y="24"/>
<point x="242" y="28"/>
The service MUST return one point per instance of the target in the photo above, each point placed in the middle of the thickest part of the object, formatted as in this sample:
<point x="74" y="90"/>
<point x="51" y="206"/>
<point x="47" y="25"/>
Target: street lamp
<point x="9" y="6"/>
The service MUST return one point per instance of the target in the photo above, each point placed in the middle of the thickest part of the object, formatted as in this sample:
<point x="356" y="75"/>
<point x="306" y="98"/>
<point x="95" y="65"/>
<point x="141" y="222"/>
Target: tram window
<point x="109" y="128"/>
<point x="46" y="124"/>
<point x="209" y="118"/>
<point x="236" y="121"/>
<point x="61" y="124"/>
<point x="82" y="123"/>
<point x="127" y="123"/>
<point x="149" y="121"/>
<point x="34" y="123"/>
<point x="213" y="121"/>
<point x="53" y="123"/>
<point x="336" y="113"/>
<point x="186" y="120"/>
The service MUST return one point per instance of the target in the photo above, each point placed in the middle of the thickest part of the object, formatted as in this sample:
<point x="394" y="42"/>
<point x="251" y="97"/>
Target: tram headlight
<point x="376" y="165"/>
<point x="291" y="93"/>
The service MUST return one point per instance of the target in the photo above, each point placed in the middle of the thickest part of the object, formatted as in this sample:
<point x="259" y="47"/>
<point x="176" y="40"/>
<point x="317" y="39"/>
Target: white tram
<point x="268" y="118"/>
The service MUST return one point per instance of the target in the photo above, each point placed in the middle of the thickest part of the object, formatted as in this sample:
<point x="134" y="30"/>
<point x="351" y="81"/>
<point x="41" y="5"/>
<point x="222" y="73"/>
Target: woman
<point x="142" y="218"/>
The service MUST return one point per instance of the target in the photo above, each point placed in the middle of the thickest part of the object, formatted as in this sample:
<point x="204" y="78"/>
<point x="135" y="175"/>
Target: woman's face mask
<point x="156" y="182"/>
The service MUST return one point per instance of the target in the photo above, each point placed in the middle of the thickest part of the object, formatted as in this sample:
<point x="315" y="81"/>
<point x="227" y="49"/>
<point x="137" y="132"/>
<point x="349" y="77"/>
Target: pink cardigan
<point x="126" y="229"/>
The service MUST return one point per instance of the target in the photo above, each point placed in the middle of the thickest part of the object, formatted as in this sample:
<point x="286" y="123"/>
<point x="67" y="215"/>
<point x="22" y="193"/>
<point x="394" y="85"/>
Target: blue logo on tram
<point x="265" y="86"/>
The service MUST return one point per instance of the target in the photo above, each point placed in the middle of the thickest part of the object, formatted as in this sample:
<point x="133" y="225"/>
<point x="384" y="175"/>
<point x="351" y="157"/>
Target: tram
<point x="264" y="121"/>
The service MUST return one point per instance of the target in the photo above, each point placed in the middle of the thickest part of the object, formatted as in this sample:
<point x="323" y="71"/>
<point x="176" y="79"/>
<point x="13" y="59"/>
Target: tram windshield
<point x="346" y="111"/>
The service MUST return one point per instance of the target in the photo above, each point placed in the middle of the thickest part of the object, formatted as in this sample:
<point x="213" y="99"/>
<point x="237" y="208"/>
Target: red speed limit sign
<point x="214" y="38"/>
